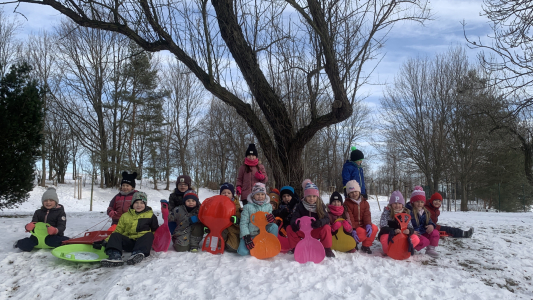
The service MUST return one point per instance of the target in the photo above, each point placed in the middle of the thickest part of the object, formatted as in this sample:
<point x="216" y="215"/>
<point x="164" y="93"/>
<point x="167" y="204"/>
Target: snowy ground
<point x="495" y="263"/>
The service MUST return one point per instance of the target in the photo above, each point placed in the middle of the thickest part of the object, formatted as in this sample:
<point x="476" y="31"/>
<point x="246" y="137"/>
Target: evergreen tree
<point x="21" y="122"/>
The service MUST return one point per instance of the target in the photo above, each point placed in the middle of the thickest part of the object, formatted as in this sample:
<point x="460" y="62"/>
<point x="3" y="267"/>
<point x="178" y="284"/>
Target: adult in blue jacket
<point x="352" y="169"/>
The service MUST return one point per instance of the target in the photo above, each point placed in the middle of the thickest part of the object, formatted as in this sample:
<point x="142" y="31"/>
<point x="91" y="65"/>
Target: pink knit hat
<point x="310" y="188"/>
<point x="418" y="194"/>
<point x="352" y="186"/>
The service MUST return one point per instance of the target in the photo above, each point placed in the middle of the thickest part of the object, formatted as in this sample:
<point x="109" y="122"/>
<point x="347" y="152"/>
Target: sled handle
<point x="403" y="219"/>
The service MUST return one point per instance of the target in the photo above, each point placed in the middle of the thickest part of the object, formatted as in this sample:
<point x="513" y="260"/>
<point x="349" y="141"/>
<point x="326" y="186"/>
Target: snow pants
<point x="361" y="234"/>
<point x="195" y="236"/>
<point x="27" y="244"/>
<point x="242" y="250"/>
<point x="384" y="240"/>
<point x="121" y="242"/>
<point x="323" y="234"/>
<point x="428" y="239"/>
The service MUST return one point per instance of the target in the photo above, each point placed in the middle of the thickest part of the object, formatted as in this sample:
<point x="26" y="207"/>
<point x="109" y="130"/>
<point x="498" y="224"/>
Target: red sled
<point x="162" y="236"/>
<point x="399" y="247"/>
<point x="443" y="234"/>
<point x="90" y="237"/>
<point x="215" y="213"/>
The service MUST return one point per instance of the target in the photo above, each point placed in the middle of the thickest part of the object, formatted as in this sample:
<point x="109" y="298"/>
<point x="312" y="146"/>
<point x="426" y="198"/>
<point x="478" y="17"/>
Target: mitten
<point x="347" y="226"/>
<point x="259" y="176"/>
<point x="112" y="214"/>
<point x="248" y="241"/>
<point x="30" y="226"/>
<point x="295" y="227"/>
<point x="355" y="237"/>
<point x="239" y="190"/>
<point x="234" y="219"/>
<point x="368" y="228"/>
<point x="316" y="224"/>
<point x="193" y="219"/>
<point x="271" y="218"/>
<point x="335" y="226"/>
<point x="52" y="230"/>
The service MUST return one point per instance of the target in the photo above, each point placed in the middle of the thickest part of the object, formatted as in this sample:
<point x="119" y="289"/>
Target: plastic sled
<point x="112" y="228"/>
<point x="266" y="244"/>
<point x="89" y="238"/>
<point x="215" y="213"/>
<point x="308" y="249"/>
<point x="399" y="247"/>
<point x="443" y="234"/>
<point x="341" y="241"/>
<point x="41" y="232"/>
<point x="162" y="236"/>
<point x="283" y="240"/>
<point x="80" y="253"/>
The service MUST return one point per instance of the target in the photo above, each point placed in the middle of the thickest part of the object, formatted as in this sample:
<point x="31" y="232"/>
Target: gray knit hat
<point x="139" y="196"/>
<point x="50" y="194"/>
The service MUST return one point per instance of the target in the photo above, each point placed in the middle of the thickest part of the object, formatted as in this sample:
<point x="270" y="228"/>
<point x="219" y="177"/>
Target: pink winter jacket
<point x="247" y="180"/>
<point x="347" y="224"/>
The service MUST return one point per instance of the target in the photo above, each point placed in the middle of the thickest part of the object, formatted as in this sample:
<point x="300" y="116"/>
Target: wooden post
<point x="92" y="188"/>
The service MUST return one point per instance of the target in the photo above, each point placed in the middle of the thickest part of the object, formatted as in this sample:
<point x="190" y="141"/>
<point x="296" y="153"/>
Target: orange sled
<point x="267" y="245"/>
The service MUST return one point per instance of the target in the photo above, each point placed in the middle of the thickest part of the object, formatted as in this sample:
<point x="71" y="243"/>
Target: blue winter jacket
<point x="247" y="228"/>
<point x="351" y="171"/>
<point x="423" y="221"/>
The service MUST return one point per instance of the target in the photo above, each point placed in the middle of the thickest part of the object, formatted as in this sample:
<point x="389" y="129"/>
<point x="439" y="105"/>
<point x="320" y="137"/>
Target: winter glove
<point x="271" y="218"/>
<point x="354" y="235"/>
<point x="99" y="244"/>
<point x="316" y="224"/>
<point x="30" y="226"/>
<point x="239" y="190"/>
<point x="206" y="230"/>
<point x="259" y="176"/>
<point x="295" y="227"/>
<point x="193" y="219"/>
<point x="347" y="226"/>
<point x="368" y="228"/>
<point x="392" y="233"/>
<point x="248" y="241"/>
<point x="52" y="230"/>
<point x="335" y="226"/>
<point x="112" y="214"/>
<point x="235" y="220"/>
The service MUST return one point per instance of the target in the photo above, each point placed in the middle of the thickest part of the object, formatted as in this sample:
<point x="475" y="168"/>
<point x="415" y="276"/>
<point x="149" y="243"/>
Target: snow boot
<point x="135" y="258"/>
<point x="366" y="250"/>
<point x="114" y="260"/>
<point x="194" y="249"/>
<point x="430" y="250"/>
<point x="469" y="233"/>
<point x="329" y="253"/>
<point x="352" y="251"/>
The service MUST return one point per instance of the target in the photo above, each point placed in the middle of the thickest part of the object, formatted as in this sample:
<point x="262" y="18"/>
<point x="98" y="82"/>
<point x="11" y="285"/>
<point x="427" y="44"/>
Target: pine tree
<point x="20" y="135"/>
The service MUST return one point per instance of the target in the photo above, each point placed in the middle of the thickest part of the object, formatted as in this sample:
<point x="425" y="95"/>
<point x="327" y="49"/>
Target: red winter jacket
<point x="120" y="203"/>
<point x="247" y="180"/>
<point x="359" y="214"/>
<point x="433" y="212"/>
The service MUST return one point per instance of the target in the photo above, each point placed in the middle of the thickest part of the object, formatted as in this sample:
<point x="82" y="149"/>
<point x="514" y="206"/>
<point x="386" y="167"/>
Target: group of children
<point x="133" y="221"/>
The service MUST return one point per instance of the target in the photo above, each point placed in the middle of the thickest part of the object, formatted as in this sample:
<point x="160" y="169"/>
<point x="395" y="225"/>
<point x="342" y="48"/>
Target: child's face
<point x="260" y="197"/>
<point x="419" y="204"/>
<point x="139" y="205"/>
<point x="251" y="157"/>
<point x="311" y="199"/>
<point x="286" y="198"/>
<point x="49" y="203"/>
<point x="397" y="206"/>
<point x="437" y="203"/>
<point x="336" y="203"/>
<point x="190" y="203"/>
<point x="126" y="188"/>
<point x="227" y="193"/>
<point x="354" y="195"/>
<point x="182" y="187"/>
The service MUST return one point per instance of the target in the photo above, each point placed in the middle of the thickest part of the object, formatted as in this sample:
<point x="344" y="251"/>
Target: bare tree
<point x="10" y="46"/>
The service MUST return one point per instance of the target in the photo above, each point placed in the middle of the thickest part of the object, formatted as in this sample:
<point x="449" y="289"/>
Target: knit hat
<point x="286" y="190"/>
<point x="310" y="188"/>
<point x="274" y="190"/>
<point x="352" y="186"/>
<point x="50" y="194"/>
<point x="128" y="178"/>
<point x="184" y="179"/>
<point x="274" y="198"/>
<point x="139" y="196"/>
<point x="251" y="150"/>
<point x="418" y="194"/>
<point x="436" y="196"/>
<point x="258" y="188"/>
<point x="227" y="186"/>
<point x="356" y="154"/>
<point x="396" y="197"/>
<point x="334" y="197"/>
<point x="190" y="194"/>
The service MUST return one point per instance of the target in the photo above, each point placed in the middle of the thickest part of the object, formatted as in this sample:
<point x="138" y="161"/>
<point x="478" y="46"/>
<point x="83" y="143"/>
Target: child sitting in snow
<point x="175" y="199"/>
<point x="257" y="201"/>
<point x="336" y="211"/>
<point x="288" y="202"/>
<point x="433" y="206"/>
<point x="189" y="230"/>
<point x="122" y="201"/>
<point x="311" y="206"/>
<point x="134" y="233"/>
<point x="389" y="225"/>
<point x="422" y="223"/>
<point x="53" y="214"/>
<point x="231" y="234"/>
<point x="359" y="211"/>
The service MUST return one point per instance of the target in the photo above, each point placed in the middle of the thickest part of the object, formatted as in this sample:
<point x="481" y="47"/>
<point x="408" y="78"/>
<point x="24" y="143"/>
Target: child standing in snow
<point x="336" y="211"/>
<point x="189" y="230"/>
<point x="251" y="172"/>
<point x="422" y="223"/>
<point x="52" y="213"/>
<point x="352" y="170"/>
<point x="122" y="201"/>
<point x="389" y="225"/>
<point x="433" y="206"/>
<point x="311" y="206"/>
<point x="257" y="201"/>
<point x="231" y="234"/>
<point x="134" y="233"/>
<point x="359" y="211"/>
<point x="288" y="202"/>
<point x="175" y="199"/>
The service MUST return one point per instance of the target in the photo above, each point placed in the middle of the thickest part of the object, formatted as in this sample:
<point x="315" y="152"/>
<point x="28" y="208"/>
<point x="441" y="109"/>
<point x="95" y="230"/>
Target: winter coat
<point x="247" y="228"/>
<point x="434" y="212"/>
<point x="422" y="222"/>
<point x="388" y="223"/>
<point x="285" y="211"/>
<point x="231" y="234"/>
<point x="182" y="234"/>
<point x="301" y="211"/>
<point x="134" y="225"/>
<point x="359" y="214"/>
<point x="175" y="199"/>
<point x="120" y="203"/>
<point x="56" y="217"/>
<point x="352" y="171"/>
<point x="246" y="180"/>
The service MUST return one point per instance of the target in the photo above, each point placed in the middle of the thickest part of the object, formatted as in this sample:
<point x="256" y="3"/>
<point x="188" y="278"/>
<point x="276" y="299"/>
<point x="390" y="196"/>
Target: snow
<point x="495" y="263"/>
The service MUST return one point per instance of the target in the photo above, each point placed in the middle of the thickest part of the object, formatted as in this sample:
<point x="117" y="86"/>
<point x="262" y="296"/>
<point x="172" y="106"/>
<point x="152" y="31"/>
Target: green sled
<point x="41" y="232"/>
<point x="80" y="253"/>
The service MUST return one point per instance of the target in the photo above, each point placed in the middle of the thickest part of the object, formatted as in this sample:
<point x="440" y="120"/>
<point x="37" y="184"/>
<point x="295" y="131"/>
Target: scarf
<point x="358" y="201"/>
<point x="309" y="207"/>
<point x="259" y="202"/>
<point x="421" y="212"/>
<point x="336" y="210"/>
<point x="250" y="162"/>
